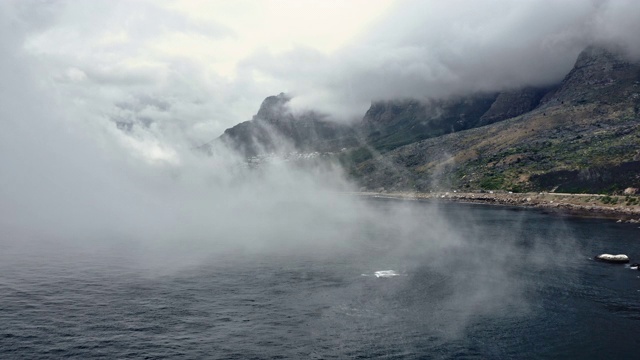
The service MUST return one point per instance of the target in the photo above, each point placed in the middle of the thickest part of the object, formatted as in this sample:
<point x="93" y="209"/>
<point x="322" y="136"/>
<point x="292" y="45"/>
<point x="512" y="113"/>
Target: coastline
<point x="618" y="207"/>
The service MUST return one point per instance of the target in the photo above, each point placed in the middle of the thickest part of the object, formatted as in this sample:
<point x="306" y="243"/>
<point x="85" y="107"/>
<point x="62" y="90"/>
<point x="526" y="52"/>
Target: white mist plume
<point x="87" y="182"/>
<point x="68" y="183"/>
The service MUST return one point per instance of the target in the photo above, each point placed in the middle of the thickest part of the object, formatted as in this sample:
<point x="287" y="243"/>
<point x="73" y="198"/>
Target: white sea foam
<point x="386" y="273"/>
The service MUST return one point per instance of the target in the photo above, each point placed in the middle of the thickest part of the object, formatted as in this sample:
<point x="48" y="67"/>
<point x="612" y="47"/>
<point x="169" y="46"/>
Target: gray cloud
<point x="432" y="49"/>
<point x="102" y="52"/>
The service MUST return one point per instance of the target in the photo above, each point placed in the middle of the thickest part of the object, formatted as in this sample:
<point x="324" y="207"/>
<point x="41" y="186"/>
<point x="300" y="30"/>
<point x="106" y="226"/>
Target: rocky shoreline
<point x="618" y="207"/>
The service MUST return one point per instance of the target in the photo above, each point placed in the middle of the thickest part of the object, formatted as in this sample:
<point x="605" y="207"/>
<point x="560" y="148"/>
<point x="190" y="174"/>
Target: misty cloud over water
<point x="100" y="119"/>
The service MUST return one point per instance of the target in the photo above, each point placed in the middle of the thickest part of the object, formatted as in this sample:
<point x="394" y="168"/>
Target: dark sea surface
<point x="516" y="284"/>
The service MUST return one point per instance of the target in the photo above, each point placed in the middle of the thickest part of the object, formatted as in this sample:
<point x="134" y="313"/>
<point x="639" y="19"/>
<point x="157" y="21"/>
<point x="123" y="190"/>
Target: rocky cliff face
<point x="385" y="126"/>
<point x="275" y="128"/>
<point x="513" y="103"/>
<point x="600" y="75"/>
<point x="391" y="124"/>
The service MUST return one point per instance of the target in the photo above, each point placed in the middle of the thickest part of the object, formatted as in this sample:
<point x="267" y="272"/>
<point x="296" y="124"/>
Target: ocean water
<point x="515" y="284"/>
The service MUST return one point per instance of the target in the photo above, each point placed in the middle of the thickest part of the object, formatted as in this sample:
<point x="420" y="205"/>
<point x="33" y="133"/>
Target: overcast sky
<point x="183" y="71"/>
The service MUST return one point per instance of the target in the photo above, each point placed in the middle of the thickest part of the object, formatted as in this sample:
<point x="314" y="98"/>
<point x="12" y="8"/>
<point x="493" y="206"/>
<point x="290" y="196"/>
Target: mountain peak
<point x="599" y="75"/>
<point x="599" y="55"/>
<point x="273" y="108"/>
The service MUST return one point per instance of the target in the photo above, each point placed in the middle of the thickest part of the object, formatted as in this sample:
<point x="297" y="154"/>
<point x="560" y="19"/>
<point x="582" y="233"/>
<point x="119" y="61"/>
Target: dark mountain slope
<point x="391" y="124"/>
<point x="510" y="104"/>
<point x="387" y="125"/>
<point x="582" y="135"/>
<point x="274" y="128"/>
<point x="585" y="137"/>
<point x="601" y="76"/>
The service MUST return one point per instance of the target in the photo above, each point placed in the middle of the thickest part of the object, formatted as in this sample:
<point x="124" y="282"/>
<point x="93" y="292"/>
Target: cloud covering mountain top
<point x="430" y="49"/>
<point x="173" y="75"/>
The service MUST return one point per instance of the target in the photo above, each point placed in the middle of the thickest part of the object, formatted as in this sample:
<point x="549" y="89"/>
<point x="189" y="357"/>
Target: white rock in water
<point x="385" y="273"/>
<point x="613" y="258"/>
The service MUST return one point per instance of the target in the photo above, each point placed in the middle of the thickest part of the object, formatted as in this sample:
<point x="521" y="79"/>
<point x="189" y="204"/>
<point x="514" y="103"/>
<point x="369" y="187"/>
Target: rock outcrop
<point x="600" y="75"/>
<point x="391" y="124"/>
<point x="510" y="104"/>
<point x="275" y="128"/>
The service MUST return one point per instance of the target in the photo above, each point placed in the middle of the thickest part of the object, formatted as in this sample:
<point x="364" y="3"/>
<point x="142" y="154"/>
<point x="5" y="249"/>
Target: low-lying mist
<point x="65" y="195"/>
<point x="68" y="187"/>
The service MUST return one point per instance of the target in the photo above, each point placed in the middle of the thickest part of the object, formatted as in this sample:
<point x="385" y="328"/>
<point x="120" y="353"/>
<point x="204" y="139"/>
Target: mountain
<point x="581" y="135"/>
<point x="275" y="128"/>
<point x="512" y="103"/>
<point x="584" y="136"/>
<point x="391" y="124"/>
<point x="600" y="75"/>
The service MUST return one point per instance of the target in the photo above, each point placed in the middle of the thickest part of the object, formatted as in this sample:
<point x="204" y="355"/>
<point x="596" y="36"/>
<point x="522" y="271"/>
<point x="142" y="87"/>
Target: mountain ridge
<point x="581" y="135"/>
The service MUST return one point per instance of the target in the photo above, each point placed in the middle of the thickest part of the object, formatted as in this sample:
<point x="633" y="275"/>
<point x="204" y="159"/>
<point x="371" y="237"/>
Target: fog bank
<point x="73" y="178"/>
